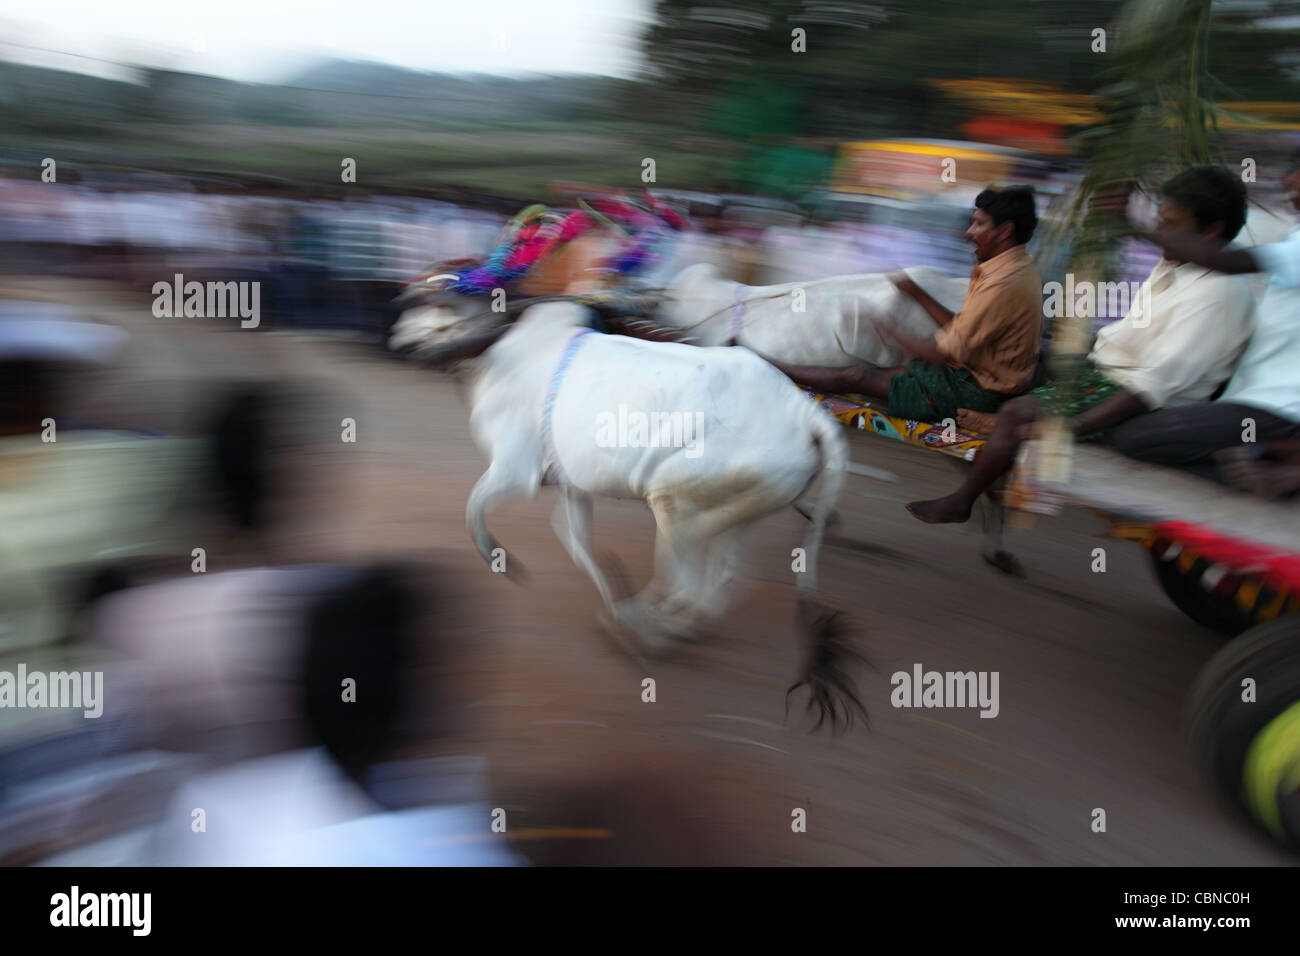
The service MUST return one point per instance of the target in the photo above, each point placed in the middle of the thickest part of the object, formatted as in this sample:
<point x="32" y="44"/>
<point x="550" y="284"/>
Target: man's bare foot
<point x="1246" y="471"/>
<point x="939" y="511"/>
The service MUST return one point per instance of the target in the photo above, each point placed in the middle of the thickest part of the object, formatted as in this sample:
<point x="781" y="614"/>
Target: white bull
<point x="830" y="322"/>
<point x="727" y="440"/>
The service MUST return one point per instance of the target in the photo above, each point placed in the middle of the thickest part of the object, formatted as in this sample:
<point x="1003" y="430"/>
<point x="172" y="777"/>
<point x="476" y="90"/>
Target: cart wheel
<point x="1251" y="748"/>
<point x="1231" y="611"/>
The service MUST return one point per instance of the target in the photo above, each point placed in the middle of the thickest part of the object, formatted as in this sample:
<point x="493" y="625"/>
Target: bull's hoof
<point x="695" y="626"/>
<point x="621" y="636"/>
<point x="631" y="641"/>
<point x="695" y="634"/>
<point x="648" y="631"/>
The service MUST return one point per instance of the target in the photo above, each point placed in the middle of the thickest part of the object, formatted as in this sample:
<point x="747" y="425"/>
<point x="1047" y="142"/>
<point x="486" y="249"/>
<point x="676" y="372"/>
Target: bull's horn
<point x="420" y="287"/>
<point x="528" y="215"/>
<point x="600" y="217"/>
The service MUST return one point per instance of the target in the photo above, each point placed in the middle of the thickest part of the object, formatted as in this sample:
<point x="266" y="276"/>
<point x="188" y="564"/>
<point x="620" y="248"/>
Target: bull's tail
<point x="828" y="436"/>
<point x="830" y="688"/>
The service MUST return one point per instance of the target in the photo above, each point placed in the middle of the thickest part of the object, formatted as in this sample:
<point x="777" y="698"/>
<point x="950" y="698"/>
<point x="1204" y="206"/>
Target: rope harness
<point x="550" y="459"/>
<point x="738" y="312"/>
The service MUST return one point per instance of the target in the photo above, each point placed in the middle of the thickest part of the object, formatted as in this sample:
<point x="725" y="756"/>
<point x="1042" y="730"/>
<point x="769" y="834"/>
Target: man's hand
<point x="1030" y="431"/>
<point x="902" y="283"/>
<point x="1119" y="407"/>
<point x="1112" y="200"/>
<point x="941" y="316"/>
<point x="924" y="349"/>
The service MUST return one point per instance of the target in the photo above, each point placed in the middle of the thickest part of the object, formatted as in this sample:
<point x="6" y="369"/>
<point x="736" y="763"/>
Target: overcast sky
<point x="265" y="40"/>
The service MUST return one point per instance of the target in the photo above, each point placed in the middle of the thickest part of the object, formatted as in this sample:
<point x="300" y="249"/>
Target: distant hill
<point x="334" y="93"/>
<point x="410" y="129"/>
<point x="377" y="89"/>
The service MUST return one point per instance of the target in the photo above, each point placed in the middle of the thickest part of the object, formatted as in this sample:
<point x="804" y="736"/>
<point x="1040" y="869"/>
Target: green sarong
<point x="1088" y="389"/>
<point x="930" y="393"/>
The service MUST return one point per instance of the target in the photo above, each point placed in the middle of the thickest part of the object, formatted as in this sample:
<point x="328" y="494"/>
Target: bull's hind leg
<point x="649" y="614"/>
<point x="697" y="552"/>
<point x="496" y="485"/>
<point x="572" y="523"/>
<point x="723" y="569"/>
<point x="685" y="611"/>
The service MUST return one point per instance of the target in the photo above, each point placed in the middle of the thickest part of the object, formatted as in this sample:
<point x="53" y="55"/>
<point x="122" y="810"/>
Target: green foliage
<point x="1159" y="118"/>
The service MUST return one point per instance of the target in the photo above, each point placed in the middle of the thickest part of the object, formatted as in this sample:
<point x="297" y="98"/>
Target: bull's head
<point x="448" y="327"/>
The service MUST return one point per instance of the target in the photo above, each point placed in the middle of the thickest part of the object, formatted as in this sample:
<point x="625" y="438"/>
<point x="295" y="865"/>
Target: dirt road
<point x="1092" y="667"/>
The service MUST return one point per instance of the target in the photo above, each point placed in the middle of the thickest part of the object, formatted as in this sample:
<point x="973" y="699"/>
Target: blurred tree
<point x="864" y="68"/>
<point x="1159" y="116"/>
<point x="1158" y="100"/>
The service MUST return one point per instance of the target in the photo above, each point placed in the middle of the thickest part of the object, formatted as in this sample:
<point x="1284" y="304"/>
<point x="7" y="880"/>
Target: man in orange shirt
<point x="982" y="355"/>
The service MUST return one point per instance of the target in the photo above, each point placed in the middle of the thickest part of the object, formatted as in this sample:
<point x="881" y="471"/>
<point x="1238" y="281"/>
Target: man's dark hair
<point x="1211" y="194"/>
<point x="28" y="390"/>
<point x="1015" y="203"/>
<point x="365" y="629"/>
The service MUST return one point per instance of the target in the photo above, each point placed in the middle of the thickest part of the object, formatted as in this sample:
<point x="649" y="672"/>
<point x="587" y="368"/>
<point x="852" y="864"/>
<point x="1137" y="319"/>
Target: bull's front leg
<point x="497" y="484"/>
<point x="572" y="523"/>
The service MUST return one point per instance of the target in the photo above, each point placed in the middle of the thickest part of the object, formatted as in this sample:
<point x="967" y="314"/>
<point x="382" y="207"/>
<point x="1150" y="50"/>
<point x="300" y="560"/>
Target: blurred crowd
<point x="336" y="259"/>
<point x="324" y="259"/>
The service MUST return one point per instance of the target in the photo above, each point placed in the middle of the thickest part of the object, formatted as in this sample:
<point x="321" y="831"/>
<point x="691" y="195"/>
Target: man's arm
<point x="1179" y="248"/>
<point x="1209" y="255"/>
<point x="1120" y="407"/>
<point x="923" y="299"/>
<point x="924" y="349"/>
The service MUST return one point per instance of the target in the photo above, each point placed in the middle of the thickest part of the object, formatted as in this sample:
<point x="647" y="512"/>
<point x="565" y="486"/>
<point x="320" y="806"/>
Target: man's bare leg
<point x="994" y="460"/>
<point x="857" y="379"/>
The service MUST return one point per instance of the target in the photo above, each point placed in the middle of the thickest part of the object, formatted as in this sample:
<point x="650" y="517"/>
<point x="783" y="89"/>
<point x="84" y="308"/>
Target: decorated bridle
<point x="537" y="231"/>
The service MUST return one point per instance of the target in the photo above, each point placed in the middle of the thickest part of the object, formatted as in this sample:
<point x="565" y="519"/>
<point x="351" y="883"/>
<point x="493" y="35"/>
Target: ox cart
<point x="1234" y="570"/>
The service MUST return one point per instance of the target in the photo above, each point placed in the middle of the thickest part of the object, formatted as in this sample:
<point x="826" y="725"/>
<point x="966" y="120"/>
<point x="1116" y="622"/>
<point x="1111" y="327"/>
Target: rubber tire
<point x="1223" y="726"/>
<point x="1217" y="612"/>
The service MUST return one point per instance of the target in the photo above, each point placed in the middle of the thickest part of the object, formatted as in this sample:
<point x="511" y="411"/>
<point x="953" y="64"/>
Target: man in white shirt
<point x="1257" y="418"/>
<point x="1179" y="342"/>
